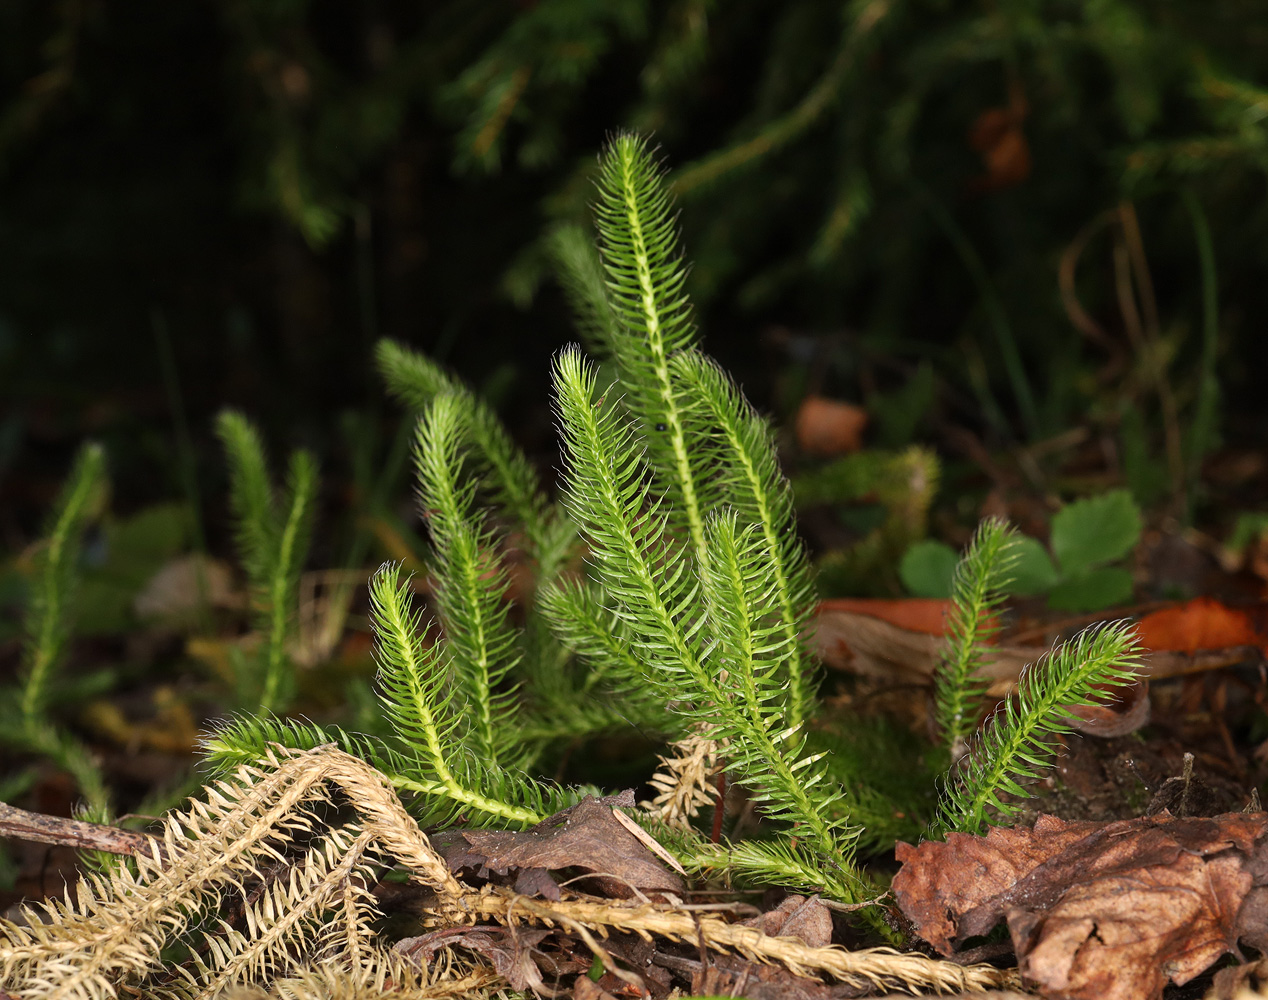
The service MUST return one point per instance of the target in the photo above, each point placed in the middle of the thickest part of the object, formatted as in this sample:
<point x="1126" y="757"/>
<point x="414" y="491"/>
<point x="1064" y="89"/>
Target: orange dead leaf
<point x="998" y="137"/>
<point x="916" y="614"/>
<point x="827" y="427"/>
<point x="1202" y="623"/>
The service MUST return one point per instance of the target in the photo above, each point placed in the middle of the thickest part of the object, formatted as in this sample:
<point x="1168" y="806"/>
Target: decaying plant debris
<point x="1098" y="911"/>
<point x="273" y="877"/>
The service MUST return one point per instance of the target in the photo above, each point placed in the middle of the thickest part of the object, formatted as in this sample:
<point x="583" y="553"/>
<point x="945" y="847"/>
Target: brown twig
<point x="23" y="825"/>
<point x="1133" y="282"/>
<point x="719" y="810"/>
<point x="1066" y="279"/>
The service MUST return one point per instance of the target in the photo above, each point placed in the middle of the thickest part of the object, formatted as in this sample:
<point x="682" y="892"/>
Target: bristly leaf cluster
<point x="1014" y="745"/>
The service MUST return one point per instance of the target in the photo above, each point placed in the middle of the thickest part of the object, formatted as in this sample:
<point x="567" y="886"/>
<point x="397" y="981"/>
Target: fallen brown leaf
<point x="827" y="427"/>
<point x="799" y="917"/>
<point x="1110" y="911"/>
<point x="903" y="641"/>
<point x="585" y="988"/>
<point x="1125" y="712"/>
<point x="731" y="976"/>
<point x="1241" y="982"/>
<point x="586" y="836"/>
<point x="900" y="640"/>
<point x="512" y="951"/>
<point x="1203" y="623"/>
<point x="183" y="587"/>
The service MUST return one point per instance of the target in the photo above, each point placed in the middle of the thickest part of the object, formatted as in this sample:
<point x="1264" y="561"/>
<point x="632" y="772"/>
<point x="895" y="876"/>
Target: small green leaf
<point x="1095" y="531"/>
<point x="1032" y="569"/>
<point x="928" y="568"/>
<point x="1246" y="529"/>
<point x="1093" y="590"/>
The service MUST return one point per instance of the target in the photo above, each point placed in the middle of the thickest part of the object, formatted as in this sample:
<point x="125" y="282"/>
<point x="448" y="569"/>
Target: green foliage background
<point x="255" y="191"/>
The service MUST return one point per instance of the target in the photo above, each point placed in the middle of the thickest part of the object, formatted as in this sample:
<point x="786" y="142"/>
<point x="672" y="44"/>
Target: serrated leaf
<point x="1032" y="569"/>
<point x="1091" y="591"/>
<point x="1095" y="531"/>
<point x="928" y="568"/>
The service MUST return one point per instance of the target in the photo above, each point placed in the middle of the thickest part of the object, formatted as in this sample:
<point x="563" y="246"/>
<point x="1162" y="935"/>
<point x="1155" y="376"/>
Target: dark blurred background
<point x="1012" y="217"/>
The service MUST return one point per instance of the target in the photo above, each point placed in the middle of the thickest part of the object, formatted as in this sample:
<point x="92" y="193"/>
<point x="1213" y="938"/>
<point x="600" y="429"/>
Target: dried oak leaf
<point x="1096" y="910"/>
<point x="585" y="836"/>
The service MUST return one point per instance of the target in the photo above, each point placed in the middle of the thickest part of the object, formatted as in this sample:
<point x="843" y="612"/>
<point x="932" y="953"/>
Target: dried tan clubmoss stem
<point x="114" y="928"/>
<point x="878" y="968"/>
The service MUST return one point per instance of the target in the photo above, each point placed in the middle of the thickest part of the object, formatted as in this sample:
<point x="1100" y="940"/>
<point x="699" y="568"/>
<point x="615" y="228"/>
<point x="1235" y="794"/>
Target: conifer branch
<point x="284" y="579"/>
<point x="273" y="535"/>
<point x="725" y="659"/>
<point x="245" y="738"/>
<point x="69" y="753"/>
<point x="580" y="272"/>
<point x="511" y="477"/>
<point x="587" y="628"/>
<point x="25" y="719"/>
<point x="250" y="495"/>
<point x="765" y="862"/>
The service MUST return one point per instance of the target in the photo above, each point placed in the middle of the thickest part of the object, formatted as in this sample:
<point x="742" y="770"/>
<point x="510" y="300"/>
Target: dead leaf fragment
<point x="1110" y="911"/>
<point x="585" y="988"/>
<point x="828" y="427"/>
<point x="903" y="640"/>
<point x="586" y="836"/>
<point x="1241" y="982"/>
<point x="928" y="615"/>
<point x="512" y="951"/>
<point x="182" y="588"/>
<point x="799" y="917"/>
<point x="1126" y="712"/>
<point x="1202" y="623"/>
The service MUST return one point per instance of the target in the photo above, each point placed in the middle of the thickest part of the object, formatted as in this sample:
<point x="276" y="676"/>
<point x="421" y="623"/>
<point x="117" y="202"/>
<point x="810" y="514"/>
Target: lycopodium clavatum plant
<point x="993" y="761"/>
<point x="670" y="592"/>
